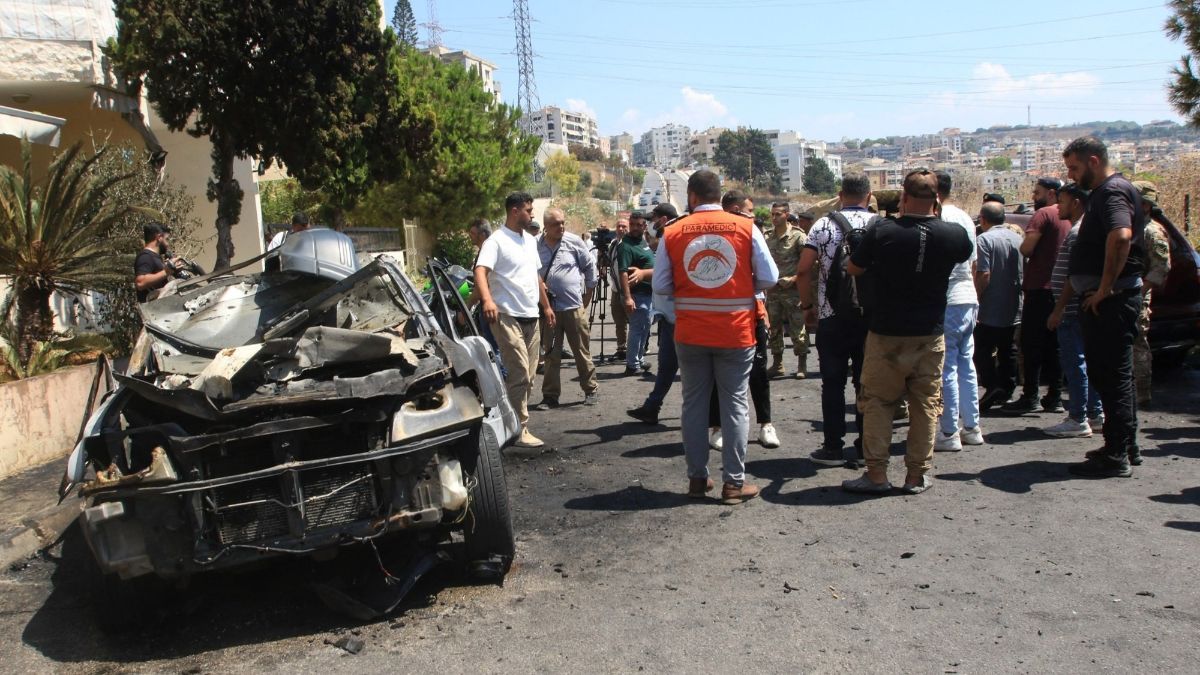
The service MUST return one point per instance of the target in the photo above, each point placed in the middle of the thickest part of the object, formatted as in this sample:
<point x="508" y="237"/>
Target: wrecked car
<point x="321" y="403"/>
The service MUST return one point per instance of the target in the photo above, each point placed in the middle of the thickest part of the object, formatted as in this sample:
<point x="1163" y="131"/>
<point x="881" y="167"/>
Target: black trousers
<point x="760" y="384"/>
<point x="996" y="358"/>
<point x="1039" y="345"/>
<point x="840" y="345"/>
<point x="1108" y="349"/>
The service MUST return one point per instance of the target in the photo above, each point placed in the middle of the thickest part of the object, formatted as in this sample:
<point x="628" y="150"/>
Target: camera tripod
<point x="600" y="302"/>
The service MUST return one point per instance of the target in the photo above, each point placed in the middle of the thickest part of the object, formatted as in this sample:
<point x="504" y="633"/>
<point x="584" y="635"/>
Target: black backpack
<point x="848" y="296"/>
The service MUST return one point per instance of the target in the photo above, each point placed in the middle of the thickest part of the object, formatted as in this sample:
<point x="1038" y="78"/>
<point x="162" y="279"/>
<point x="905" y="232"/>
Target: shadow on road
<point x="1186" y="496"/>
<point x="215" y="612"/>
<point x="660" y="451"/>
<point x="630" y="498"/>
<point x="1015" y="478"/>
<point x="1014" y="436"/>
<point x="1188" y="449"/>
<point x="612" y="433"/>
<point x="1186" y="525"/>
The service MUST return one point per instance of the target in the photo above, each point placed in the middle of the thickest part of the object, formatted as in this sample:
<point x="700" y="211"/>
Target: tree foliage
<point x="119" y="311"/>
<point x="282" y="198"/>
<point x="817" y="178"/>
<point x="563" y="171"/>
<point x="1184" y="90"/>
<point x="473" y="155"/>
<point x="260" y="80"/>
<point x="61" y="232"/>
<point x="999" y="163"/>
<point x="585" y="153"/>
<point x="746" y="156"/>
<point x="404" y="23"/>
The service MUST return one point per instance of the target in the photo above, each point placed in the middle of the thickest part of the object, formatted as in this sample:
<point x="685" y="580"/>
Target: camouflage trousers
<point x="784" y="305"/>
<point x="1141" y="353"/>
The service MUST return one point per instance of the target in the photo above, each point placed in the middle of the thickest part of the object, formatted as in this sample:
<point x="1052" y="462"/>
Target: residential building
<point x="793" y="156"/>
<point x="485" y="69"/>
<point x="622" y="146"/>
<point x="884" y="175"/>
<point x="565" y="127"/>
<point x="703" y="145"/>
<point x="54" y="75"/>
<point x="667" y="145"/>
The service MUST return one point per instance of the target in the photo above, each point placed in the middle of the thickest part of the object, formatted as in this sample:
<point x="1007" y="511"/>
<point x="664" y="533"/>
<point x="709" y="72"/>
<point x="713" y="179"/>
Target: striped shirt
<point x="1058" y="276"/>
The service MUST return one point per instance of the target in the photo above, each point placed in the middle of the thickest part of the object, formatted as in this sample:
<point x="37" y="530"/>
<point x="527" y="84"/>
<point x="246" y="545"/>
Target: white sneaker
<point x="528" y="440"/>
<point x="1069" y="428"/>
<point x="1097" y="422"/>
<point x="971" y="435"/>
<point x="767" y="436"/>
<point x="944" y="443"/>
<point x="714" y="439"/>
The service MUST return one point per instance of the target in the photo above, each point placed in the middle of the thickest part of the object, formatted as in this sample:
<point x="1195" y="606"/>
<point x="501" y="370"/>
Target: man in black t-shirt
<point x="1106" y="271"/>
<point x="150" y="271"/>
<point x="909" y="259"/>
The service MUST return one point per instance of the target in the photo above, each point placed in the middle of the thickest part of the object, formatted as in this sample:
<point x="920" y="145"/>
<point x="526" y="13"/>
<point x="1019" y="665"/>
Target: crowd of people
<point x="926" y="311"/>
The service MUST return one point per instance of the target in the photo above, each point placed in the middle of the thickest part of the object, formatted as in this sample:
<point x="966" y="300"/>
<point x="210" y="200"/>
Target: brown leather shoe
<point x="697" y="487"/>
<point x="732" y="494"/>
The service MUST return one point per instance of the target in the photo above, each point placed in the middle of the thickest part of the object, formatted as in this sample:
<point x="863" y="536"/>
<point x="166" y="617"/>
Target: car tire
<point x="489" y="543"/>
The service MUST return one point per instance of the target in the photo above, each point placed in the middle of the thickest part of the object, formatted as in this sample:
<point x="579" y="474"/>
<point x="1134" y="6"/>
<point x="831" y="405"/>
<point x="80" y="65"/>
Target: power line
<point x="432" y="27"/>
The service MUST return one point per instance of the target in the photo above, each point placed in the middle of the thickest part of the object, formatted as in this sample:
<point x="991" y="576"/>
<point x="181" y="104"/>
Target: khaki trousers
<point x="519" y="343"/>
<point x="620" y="318"/>
<point x="896" y="369"/>
<point x="784" y="305"/>
<point x="573" y="325"/>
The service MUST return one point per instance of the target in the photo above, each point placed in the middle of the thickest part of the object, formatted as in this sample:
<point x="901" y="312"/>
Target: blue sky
<point x="829" y="69"/>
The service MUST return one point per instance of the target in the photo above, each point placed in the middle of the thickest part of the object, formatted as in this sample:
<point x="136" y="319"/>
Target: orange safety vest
<point x="710" y="254"/>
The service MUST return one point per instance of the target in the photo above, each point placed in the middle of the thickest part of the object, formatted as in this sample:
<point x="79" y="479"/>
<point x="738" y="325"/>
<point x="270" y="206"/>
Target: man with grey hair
<point x="570" y="276"/>
<point x="998" y="275"/>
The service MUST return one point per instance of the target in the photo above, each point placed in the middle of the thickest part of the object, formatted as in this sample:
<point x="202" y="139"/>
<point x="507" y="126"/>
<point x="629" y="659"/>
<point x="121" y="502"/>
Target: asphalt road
<point x="672" y="183"/>
<point x="1006" y="564"/>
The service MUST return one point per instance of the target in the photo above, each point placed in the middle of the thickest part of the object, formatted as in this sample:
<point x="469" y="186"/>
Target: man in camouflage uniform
<point x="1158" y="264"/>
<point x="783" y="301"/>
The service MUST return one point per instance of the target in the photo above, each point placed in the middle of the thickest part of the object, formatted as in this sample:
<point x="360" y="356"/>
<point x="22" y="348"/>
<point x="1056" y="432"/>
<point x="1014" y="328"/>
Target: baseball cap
<point x="1050" y="183"/>
<point x="806" y="215"/>
<point x="639" y="214"/>
<point x="1076" y="191"/>
<point x="664" y="209"/>
<point x="993" y="197"/>
<point x="300" y="218"/>
<point x="1149" y="191"/>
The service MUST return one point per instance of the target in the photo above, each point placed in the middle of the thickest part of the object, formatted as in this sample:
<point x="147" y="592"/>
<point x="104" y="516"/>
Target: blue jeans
<point x="639" y="330"/>
<point x="668" y="365"/>
<point x="960" y="388"/>
<point x="1084" y="399"/>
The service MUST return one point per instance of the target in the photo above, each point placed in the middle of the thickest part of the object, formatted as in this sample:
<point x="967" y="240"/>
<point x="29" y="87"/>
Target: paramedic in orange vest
<point x="713" y="263"/>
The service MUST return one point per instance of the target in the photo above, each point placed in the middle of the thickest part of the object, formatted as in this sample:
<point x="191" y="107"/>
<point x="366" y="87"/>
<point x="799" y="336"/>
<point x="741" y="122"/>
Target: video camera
<point x="602" y="238"/>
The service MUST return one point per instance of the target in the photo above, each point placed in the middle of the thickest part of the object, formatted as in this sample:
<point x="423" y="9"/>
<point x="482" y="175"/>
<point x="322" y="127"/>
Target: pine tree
<point x="404" y="23"/>
<point x="746" y="156"/>
<point x="817" y="178"/>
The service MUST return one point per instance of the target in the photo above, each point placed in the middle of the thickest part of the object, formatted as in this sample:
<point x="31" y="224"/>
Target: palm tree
<point x="59" y="234"/>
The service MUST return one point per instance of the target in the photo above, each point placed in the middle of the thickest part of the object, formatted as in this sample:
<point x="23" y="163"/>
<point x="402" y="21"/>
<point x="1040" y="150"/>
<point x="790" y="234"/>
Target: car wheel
<point x="488" y="532"/>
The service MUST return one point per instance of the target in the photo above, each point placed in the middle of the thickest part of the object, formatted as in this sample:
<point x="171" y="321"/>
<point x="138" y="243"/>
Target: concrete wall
<point x="40" y="417"/>
<point x="49" y="60"/>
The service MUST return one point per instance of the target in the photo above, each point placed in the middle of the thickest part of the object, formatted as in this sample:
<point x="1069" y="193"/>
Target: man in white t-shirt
<point x="299" y="224"/>
<point x="507" y="278"/>
<point x="840" y="339"/>
<point x="960" y="387"/>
